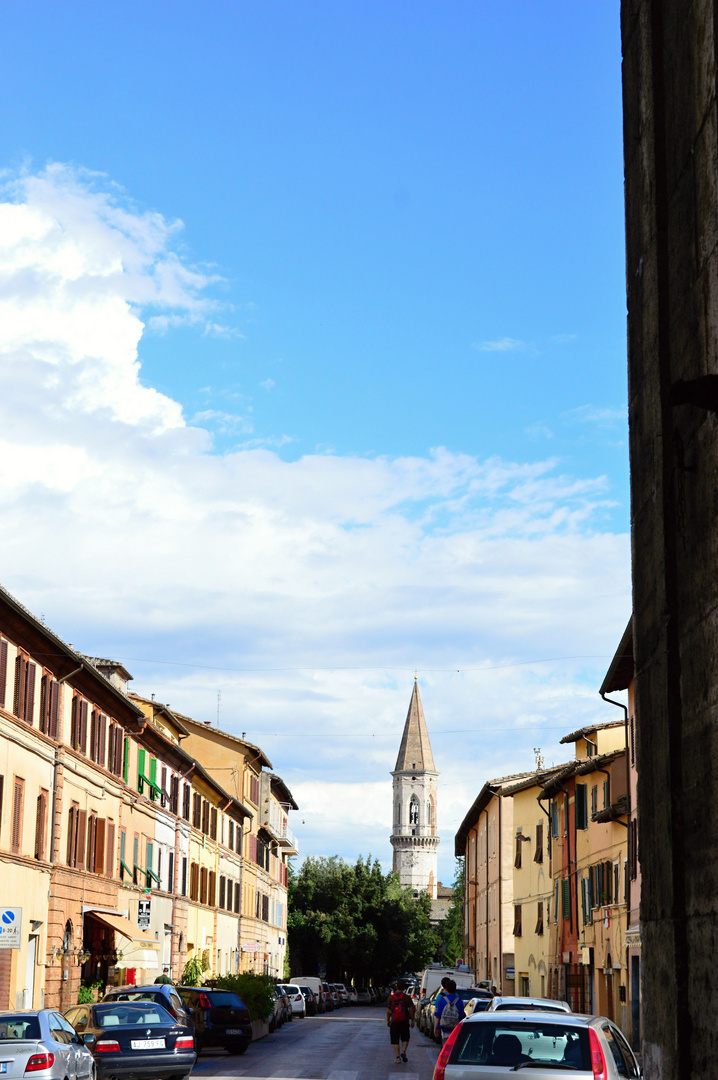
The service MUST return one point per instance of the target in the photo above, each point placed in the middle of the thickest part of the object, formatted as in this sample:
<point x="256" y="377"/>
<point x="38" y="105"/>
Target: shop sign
<point x="143" y="914"/>
<point x="10" y="927"/>
<point x="250" y="946"/>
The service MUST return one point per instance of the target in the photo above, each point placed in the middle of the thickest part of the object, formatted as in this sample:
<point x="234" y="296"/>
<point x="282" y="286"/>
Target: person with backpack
<point x="449" y="1011"/>
<point x="399" y="1017"/>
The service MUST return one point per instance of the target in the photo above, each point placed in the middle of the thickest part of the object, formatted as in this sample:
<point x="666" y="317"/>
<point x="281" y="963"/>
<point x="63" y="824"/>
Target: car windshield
<point x="225" y="998"/>
<point x="291" y="989"/>
<point x="19" y="1027"/>
<point x="466" y="992"/>
<point x="521" y="1006"/>
<point x="513" y="1043"/>
<point x="122" y="1015"/>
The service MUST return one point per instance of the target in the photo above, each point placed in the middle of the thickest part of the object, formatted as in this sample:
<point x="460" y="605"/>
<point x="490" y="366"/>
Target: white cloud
<point x="599" y="416"/>
<point x="307" y="591"/>
<point x="267" y="384"/>
<point x="505" y="344"/>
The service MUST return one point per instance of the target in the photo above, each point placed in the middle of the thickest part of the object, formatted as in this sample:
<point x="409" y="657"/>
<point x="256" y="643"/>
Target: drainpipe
<point x="487" y="890"/>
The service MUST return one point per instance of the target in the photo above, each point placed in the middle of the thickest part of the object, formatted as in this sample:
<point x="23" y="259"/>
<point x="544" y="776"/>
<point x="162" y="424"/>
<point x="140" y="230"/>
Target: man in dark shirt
<point x="399" y="1018"/>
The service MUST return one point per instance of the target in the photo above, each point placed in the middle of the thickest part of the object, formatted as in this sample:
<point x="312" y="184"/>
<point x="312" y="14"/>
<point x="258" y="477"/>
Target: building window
<point x="24" y="699"/>
<point x="78" y="724"/>
<point x="539" y="919"/>
<point x="205" y="817"/>
<point x="554" y="819"/>
<point x="538" y="853"/>
<point x="203" y="885"/>
<point x="517" y="856"/>
<point x="213" y="823"/>
<point x="41" y="825"/>
<point x="212" y="889"/>
<point x="414" y="811"/>
<point x="98" y="737"/>
<point x="230" y="835"/>
<point x="197" y="810"/>
<point x="222" y="891"/>
<point x="236" y="898"/>
<point x="171" y="872"/>
<point x="110" y="861"/>
<point x="606" y="793"/>
<point x="194" y="882"/>
<point x="184" y="876"/>
<point x="517" y="920"/>
<point x="581" y="806"/>
<point x="3" y="672"/>
<point x="76" y="833"/>
<point x="18" y="798"/>
<point x="594" y="800"/>
<point x="185" y="802"/>
<point x="254" y="789"/>
<point x="49" y="706"/>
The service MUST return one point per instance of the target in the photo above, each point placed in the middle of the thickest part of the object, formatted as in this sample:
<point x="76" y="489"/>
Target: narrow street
<point x="350" y="1045"/>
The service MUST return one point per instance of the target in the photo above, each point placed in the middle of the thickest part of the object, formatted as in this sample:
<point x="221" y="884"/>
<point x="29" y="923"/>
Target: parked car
<point x="351" y="995"/>
<point x="477" y="1004"/>
<point x="296" y="999"/>
<point x="363" y="996"/>
<point x="466" y="993"/>
<point x="315" y="985"/>
<point x="279" y="1013"/>
<point x="310" y="1002"/>
<point x="288" y="1013"/>
<point x="342" y="991"/>
<point x="335" y="996"/>
<point x="527" y="1004"/>
<point x="164" y="994"/>
<point x="489" y="1046"/>
<point x="42" y="1040"/>
<point x="134" y="1039"/>
<point x="328" y="999"/>
<point x="220" y="1018"/>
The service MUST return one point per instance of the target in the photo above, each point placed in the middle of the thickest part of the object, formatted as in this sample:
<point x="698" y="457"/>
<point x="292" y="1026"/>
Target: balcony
<point x="288" y="840"/>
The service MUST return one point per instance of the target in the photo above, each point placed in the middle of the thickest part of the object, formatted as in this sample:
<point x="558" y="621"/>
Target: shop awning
<point x="125" y="927"/>
<point x="138" y="958"/>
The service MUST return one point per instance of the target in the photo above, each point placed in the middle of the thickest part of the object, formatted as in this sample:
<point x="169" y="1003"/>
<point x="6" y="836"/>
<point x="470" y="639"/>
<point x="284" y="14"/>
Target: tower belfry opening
<point x="414" y="835"/>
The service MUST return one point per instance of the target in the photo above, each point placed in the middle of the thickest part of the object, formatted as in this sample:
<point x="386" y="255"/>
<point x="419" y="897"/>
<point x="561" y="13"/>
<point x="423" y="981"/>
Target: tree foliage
<point x="451" y="929"/>
<point x="357" y="921"/>
<point x="256" y="991"/>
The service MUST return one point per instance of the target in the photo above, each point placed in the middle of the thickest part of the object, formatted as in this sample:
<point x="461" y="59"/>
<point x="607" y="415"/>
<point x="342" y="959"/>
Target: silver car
<point x="527" y="1004"/>
<point x="493" y="1046"/>
<point x="42" y="1041"/>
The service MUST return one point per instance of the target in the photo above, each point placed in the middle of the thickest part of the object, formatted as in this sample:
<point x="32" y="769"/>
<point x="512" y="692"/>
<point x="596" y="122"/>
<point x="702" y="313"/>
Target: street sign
<point x="510" y="973"/>
<point x="10" y="927"/>
<point x="322" y="971"/>
<point x="144" y="911"/>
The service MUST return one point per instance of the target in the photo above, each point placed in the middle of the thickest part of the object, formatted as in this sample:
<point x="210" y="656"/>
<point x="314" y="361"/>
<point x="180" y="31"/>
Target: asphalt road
<point x="351" y="1044"/>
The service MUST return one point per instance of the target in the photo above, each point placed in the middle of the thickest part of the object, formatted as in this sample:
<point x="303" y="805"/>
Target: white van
<point x="315" y="985"/>
<point x="431" y="978"/>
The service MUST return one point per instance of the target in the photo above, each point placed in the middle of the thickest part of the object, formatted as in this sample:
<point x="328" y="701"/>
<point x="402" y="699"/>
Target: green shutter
<point x="581" y="806"/>
<point x="566" y="899"/>
<point x="140" y="770"/>
<point x="154" y="790"/>
<point x="126" y="761"/>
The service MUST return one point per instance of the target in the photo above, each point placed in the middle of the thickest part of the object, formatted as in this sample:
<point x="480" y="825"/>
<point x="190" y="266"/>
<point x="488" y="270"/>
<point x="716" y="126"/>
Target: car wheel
<point x="236" y="1046"/>
<point x="198" y="1045"/>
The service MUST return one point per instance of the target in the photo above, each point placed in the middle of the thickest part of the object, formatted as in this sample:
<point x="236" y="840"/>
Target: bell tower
<point x="414" y="835"/>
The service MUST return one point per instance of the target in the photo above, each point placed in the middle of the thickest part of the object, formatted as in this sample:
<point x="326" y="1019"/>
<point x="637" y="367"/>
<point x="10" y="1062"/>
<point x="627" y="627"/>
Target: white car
<point x="495" y="1045"/>
<point x="42" y="1041"/>
<point x="527" y="1004"/>
<point x="296" y="999"/>
<point x="342" y="991"/>
<point x="352" y="996"/>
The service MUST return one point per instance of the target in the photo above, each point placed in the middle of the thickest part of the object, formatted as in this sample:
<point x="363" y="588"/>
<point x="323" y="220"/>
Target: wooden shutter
<point x="54" y="717"/>
<point x="538" y="854"/>
<point x="203" y="885"/>
<point x="83" y="727"/>
<point x="44" y="703"/>
<point x="71" y="836"/>
<point x="110" y="854"/>
<point x="17" y="816"/>
<point x="81" y="838"/>
<point x="236" y="898"/>
<point x="185" y="802"/>
<point x="3" y="672"/>
<point x="517" y="920"/>
<point x="19" y="698"/>
<point x="40" y="825"/>
<point x="205" y="818"/>
<point x="565" y="898"/>
<point x="539" y="918"/>
<point x="94" y="716"/>
<point x="517" y="857"/>
<point x="75" y="723"/>
<point x="213" y="823"/>
<point x="171" y="872"/>
<point x="29" y="692"/>
<point x="222" y="888"/>
<point x="581" y="806"/>
<point x="100" y="837"/>
<point x="212" y="889"/>
<point x="230" y="837"/>
<point x="102" y="743"/>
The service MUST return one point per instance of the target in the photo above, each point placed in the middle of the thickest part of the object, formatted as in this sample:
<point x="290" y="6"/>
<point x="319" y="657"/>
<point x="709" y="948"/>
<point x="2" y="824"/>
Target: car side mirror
<point x="88" y="1040"/>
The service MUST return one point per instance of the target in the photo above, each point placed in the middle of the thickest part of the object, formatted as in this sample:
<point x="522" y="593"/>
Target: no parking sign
<point x="10" y="927"/>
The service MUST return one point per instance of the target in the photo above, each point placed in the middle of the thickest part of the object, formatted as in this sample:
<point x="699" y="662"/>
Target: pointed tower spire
<point x="415" y="750"/>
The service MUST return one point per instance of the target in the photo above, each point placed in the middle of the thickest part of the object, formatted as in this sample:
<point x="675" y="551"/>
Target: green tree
<point x="357" y="921"/>
<point x="451" y="929"/>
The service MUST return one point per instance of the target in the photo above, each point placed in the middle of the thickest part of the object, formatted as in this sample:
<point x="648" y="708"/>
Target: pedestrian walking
<point x="449" y="1011"/>
<point x="399" y="1018"/>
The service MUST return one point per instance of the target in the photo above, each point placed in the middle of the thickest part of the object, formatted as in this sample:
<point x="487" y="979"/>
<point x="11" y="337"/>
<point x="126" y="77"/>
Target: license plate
<point x="234" y="1031"/>
<point x="3" y="1066"/>
<point x="148" y="1044"/>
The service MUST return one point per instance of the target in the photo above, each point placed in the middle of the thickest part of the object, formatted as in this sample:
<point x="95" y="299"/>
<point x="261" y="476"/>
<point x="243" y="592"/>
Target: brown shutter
<point x="93" y="734"/>
<point x="110" y="857"/>
<point x="102" y="745"/>
<point x="75" y="723"/>
<point x="17" y="816"/>
<point x="100" y="846"/>
<point x="19" y="699"/>
<point x="83" y="727"/>
<point x="40" y="825"/>
<point x="44" y="703"/>
<point x="29" y="692"/>
<point x="3" y="672"/>
<point x="213" y="823"/>
<point x="81" y="836"/>
<point x="70" y="834"/>
<point x="54" y="728"/>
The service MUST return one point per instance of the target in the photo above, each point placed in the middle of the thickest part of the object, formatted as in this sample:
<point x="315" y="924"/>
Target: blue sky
<point x="402" y="230"/>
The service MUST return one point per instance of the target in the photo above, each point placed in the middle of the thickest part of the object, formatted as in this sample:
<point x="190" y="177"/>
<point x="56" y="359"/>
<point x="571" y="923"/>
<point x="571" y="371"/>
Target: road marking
<point x="342" y="1074"/>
